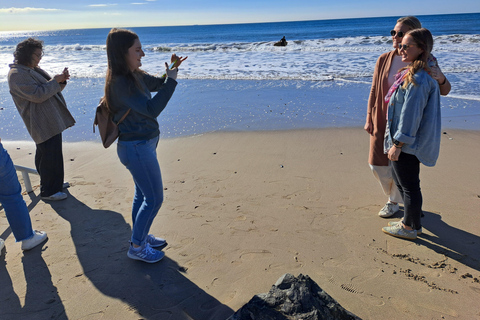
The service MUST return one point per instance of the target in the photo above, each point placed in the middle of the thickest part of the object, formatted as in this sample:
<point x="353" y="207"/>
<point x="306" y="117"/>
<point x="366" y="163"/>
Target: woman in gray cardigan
<point x="42" y="107"/>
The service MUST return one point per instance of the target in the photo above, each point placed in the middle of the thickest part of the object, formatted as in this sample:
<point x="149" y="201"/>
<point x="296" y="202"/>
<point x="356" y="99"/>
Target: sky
<point x="79" y="14"/>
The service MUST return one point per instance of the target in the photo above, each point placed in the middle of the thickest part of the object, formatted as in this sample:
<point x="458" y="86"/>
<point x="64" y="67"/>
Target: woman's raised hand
<point x="171" y="73"/>
<point x="178" y="60"/>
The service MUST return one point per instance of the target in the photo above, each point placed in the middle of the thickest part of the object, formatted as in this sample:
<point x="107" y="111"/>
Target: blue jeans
<point x="406" y="174"/>
<point x="140" y="158"/>
<point x="11" y="199"/>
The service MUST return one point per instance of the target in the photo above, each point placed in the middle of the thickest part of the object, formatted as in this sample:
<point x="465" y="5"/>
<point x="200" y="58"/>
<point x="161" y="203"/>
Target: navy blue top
<point x="141" y="123"/>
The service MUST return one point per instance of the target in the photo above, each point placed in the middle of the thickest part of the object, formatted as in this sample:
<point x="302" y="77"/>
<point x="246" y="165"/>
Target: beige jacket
<point x="39" y="102"/>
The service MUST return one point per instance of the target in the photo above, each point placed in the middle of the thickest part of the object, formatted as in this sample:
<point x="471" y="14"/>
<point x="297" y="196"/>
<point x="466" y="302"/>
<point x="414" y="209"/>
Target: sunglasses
<point x="404" y="47"/>
<point x="39" y="56"/>
<point x="399" y="34"/>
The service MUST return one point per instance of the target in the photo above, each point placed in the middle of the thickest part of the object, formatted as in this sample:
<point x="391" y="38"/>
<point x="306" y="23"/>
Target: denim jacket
<point x="414" y="119"/>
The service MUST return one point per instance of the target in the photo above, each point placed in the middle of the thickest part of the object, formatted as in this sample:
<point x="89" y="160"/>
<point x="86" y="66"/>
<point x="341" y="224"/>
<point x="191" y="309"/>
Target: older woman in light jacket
<point x="386" y="68"/>
<point x="42" y="107"/>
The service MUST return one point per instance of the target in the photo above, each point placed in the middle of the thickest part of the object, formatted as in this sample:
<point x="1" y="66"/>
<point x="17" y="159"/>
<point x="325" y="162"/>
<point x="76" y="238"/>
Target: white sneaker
<point x="38" y="237"/>
<point x="388" y="210"/>
<point x="55" y="197"/>
<point x="400" y="232"/>
<point x="394" y="223"/>
<point x="2" y="244"/>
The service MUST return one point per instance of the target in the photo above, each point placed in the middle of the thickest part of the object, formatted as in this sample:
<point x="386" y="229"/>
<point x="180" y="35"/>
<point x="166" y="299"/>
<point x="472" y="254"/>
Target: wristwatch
<point x="396" y="143"/>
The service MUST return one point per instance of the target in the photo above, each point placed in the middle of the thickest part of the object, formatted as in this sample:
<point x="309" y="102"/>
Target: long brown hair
<point x="118" y="43"/>
<point x="423" y="40"/>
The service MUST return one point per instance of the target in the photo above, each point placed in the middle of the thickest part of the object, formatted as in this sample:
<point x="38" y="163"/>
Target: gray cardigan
<point x="39" y="102"/>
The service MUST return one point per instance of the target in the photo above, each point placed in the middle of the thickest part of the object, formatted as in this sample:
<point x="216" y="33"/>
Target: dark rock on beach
<point x="293" y="299"/>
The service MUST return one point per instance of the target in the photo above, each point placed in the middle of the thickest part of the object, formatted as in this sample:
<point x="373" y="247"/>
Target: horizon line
<point x="237" y="23"/>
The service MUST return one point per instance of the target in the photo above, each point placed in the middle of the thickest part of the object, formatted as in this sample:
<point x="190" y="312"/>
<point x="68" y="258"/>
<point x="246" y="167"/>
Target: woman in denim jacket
<point x="387" y="66"/>
<point x="128" y="89"/>
<point x="413" y="128"/>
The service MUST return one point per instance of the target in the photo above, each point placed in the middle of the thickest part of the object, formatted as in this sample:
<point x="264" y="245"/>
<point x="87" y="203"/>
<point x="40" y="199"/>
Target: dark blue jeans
<point x="406" y="174"/>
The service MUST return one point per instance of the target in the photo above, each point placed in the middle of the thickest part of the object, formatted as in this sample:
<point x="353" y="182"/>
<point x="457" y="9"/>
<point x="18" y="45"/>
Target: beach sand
<point x="241" y="209"/>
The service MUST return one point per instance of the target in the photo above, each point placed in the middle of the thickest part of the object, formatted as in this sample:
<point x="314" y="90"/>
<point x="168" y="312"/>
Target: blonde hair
<point x="423" y="40"/>
<point x="410" y="22"/>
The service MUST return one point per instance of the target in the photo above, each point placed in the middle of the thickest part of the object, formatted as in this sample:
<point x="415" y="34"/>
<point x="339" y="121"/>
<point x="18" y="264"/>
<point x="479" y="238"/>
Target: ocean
<point x="325" y="60"/>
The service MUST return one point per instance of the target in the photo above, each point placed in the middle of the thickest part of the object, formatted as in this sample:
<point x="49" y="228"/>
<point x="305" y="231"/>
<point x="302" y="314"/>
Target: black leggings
<point x="406" y="174"/>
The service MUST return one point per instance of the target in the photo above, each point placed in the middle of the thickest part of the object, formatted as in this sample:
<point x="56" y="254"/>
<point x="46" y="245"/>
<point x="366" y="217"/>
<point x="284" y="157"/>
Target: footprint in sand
<point x="254" y="255"/>
<point x="191" y="262"/>
<point x="353" y="288"/>
<point x="82" y="183"/>
<point x="176" y="244"/>
<point x="187" y="241"/>
<point x="331" y="263"/>
<point x="229" y="297"/>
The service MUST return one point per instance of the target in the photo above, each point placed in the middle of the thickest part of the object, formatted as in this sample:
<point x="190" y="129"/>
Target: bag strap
<point x="124" y="116"/>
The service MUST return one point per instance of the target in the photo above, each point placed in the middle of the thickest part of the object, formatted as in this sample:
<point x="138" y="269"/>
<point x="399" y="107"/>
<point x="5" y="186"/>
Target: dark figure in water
<point x="281" y="43"/>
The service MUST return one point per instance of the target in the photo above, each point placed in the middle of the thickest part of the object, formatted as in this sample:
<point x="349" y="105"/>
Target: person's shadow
<point x="41" y="299"/>
<point x="154" y="291"/>
<point x="452" y="242"/>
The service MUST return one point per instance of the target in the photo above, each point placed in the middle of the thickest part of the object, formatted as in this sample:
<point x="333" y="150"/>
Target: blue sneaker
<point x="145" y="253"/>
<point x="156" y="242"/>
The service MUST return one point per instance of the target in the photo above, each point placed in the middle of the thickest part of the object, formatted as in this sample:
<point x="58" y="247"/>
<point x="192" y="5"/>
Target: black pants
<point x="49" y="164"/>
<point x="406" y="174"/>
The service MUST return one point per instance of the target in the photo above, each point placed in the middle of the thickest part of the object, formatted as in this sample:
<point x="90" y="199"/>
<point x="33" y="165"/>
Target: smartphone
<point x="170" y="67"/>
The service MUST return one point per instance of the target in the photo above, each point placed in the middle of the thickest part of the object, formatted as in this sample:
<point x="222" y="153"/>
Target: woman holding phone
<point x="40" y="102"/>
<point x="128" y="89"/>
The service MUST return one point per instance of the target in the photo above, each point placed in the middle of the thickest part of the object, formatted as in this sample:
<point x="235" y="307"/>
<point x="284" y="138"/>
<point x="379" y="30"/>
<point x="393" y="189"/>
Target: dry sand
<point x="240" y="210"/>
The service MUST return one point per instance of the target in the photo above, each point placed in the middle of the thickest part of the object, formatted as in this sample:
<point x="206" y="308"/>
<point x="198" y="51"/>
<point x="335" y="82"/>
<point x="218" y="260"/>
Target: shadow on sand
<point x="445" y="239"/>
<point x="41" y="299"/>
<point x="153" y="291"/>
